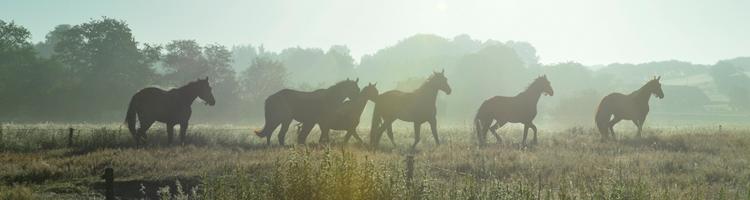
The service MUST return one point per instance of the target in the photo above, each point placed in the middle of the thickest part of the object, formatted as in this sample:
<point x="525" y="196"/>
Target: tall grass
<point x="230" y="163"/>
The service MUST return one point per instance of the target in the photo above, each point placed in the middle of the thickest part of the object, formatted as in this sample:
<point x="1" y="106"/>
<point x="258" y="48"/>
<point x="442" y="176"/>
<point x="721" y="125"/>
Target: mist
<point x="588" y="49"/>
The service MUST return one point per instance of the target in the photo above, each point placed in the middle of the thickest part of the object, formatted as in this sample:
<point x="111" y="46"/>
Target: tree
<point x="46" y="48"/>
<point x="243" y="56"/>
<point x="27" y="82"/>
<point x="263" y="78"/>
<point x="733" y="82"/>
<point x="186" y="60"/>
<point x="108" y="64"/>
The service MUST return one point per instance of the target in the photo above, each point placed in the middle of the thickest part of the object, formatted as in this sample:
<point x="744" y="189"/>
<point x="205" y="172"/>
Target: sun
<point x="441" y="6"/>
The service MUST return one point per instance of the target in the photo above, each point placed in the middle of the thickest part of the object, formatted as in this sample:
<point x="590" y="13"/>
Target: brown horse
<point x="306" y="107"/>
<point x="418" y="107"/>
<point x="346" y="117"/>
<point x="171" y="107"/>
<point x="517" y="109"/>
<point x="633" y="106"/>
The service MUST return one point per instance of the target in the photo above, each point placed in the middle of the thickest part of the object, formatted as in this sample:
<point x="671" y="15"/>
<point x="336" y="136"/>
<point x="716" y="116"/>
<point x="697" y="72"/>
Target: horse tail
<point x="267" y="127"/>
<point x="602" y="117"/>
<point x="478" y="124"/>
<point x="131" y="115"/>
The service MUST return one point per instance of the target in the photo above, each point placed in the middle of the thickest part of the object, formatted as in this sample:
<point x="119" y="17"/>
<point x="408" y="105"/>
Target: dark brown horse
<point x="633" y="106"/>
<point x="306" y="107"/>
<point x="171" y="107"/>
<point x="346" y="117"/>
<point x="517" y="109"/>
<point x="417" y="107"/>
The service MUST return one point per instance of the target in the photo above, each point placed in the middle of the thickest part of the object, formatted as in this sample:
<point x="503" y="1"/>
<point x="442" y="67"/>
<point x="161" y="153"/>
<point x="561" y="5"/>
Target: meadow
<point x="228" y="162"/>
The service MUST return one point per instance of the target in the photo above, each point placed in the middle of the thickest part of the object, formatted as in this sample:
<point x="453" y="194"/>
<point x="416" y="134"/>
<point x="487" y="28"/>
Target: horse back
<point x="623" y="106"/>
<point x="510" y="109"/>
<point x="303" y="106"/>
<point x="405" y="106"/>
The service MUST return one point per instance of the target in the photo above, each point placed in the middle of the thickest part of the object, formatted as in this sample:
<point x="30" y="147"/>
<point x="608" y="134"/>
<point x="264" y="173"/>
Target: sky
<point x="592" y="32"/>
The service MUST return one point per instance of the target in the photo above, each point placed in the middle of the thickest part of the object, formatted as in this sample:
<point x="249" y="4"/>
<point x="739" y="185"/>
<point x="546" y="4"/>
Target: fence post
<point x="1" y="134"/>
<point x="70" y="137"/>
<point x="409" y="168"/>
<point x="109" y="183"/>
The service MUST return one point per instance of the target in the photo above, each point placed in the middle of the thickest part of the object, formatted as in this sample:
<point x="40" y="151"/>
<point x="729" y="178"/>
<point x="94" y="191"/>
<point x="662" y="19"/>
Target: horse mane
<point x="534" y="84"/>
<point x="427" y="82"/>
<point x="643" y="88"/>
<point x="188" y="85"/>
<point x="339" y="84"/>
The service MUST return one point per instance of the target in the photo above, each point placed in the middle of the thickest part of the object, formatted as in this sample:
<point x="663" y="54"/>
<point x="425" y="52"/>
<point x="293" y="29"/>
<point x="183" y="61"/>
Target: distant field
<point x="227" y="162"/>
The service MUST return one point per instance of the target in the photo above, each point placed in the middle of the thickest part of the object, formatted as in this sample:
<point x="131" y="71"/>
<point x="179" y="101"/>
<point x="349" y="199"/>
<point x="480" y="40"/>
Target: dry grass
<point x="229" y="163"/>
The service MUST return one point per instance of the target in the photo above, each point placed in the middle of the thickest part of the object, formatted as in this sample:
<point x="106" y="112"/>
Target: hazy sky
<point x="586" y="31"/>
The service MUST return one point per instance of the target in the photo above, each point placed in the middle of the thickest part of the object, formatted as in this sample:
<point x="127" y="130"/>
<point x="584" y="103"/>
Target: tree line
<point x="88" y="72"/>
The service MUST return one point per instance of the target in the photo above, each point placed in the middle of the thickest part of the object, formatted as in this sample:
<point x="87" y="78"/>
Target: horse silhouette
<point x="171" y="107"/>
<point x="633" y="106"/>
<point x="517" y="109"/>
<point x="417" y="107"/>
<point x="346" y="117"/>
<point x="306" y="107"/>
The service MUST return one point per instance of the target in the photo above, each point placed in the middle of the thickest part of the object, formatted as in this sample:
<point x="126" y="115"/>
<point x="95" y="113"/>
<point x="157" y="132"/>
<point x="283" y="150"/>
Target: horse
<point x="517" y="109"/>
<point x="171" y="107"/>
<point x="417" y="107"/>
<point x="633" y="106"/>
<point x="346" y="117"/>
<point x="306" y="107"/>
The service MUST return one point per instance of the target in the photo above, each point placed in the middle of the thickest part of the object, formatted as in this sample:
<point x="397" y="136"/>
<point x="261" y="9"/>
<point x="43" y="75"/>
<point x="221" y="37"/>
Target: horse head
<point x="204" y="91"/>
<point x="655" y="87"/>
<point x="546" y="86"/>
<point x="370" y="92"/>
<point x="347" y="89"/>
<point x="439" y="81"/>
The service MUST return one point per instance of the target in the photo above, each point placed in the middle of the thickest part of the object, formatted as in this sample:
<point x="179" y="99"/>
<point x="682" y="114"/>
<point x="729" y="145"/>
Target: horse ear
<point x="357" y="81"/>
<point x="442" y="71"/>
<point x="658" y="78"/>
<point x="206" y="79"/>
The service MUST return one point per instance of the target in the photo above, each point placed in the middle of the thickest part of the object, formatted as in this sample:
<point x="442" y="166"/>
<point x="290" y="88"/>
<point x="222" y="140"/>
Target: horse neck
<point x="358" y="106"/>
<point x="427" y="92"/>
<point x="185" y="95"/>
<point x="333" y="94"/>
<point x="641" y="96"/>
<point x="531" y="94"/>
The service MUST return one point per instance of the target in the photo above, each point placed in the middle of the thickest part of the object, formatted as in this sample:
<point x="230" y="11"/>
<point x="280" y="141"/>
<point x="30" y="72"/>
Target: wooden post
<point x="70" y="137"/>
<point x="109" y="183"/>
<point x="1" y="134"/>
<point x="409" y="168"/>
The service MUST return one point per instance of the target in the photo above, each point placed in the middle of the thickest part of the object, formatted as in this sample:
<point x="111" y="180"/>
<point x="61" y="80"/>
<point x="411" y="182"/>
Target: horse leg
<point x="612" y="126"/>
<point x="183" y="132"/>
<point x="484" y="126"/>
<point x="282" y="132"/>
<point x="145" y="125"/>
<point x="306" y="128"/>
<point x="494" y="128"/>
<point x="525" y="133"/>
<point x="272" y="126"/>
<point x="324" y="137"/>
<point x="433" y="128"/>
<point x="170" y="132"/>
<point x="353" y="132"/>
<point x="388" y="126"/>
<point x="417" y="126"/>
<point x="533" y="128"/>
<point x="638" y="124"/>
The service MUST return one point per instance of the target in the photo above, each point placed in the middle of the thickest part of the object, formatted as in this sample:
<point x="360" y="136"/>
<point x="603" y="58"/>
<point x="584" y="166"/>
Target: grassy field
<point x="226" y="162"/>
